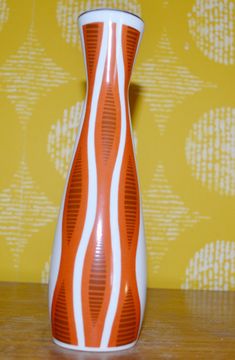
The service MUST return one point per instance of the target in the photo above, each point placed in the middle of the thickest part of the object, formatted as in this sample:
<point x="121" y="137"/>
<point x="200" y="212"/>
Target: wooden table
<point x="178" y="325"/>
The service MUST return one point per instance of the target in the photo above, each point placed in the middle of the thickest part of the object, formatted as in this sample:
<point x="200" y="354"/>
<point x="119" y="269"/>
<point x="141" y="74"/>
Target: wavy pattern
<point x="114" y="196"/>
<point x="131" y="201"/>
<point x="127" y="327"/>
<point x="76" y="203"/>
<point x="74" y="192"/>
<point x="130" y="41"/>
<point x="109" y="121"/>
<point x="91" y="305"/>
<point x="61" y="321"/>
<point x="124" y="332"/>
<point x="181" y="93"/>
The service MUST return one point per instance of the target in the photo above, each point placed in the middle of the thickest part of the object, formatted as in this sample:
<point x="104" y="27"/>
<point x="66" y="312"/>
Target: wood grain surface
<point x="177" y="325"/>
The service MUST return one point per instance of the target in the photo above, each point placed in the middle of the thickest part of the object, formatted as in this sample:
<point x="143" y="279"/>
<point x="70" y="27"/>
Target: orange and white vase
<point x="97" y="285"/>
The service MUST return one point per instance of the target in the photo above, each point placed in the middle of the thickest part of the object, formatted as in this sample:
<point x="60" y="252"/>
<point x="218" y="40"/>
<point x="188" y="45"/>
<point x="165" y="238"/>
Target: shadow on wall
<point x="134" y="95"/>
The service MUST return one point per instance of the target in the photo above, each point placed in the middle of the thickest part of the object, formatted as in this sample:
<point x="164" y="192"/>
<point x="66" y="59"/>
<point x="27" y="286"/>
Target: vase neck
<point x="113" y="42"/>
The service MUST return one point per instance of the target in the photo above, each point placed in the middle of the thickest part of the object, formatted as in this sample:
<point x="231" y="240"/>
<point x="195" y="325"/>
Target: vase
<point x="97" y="283"/>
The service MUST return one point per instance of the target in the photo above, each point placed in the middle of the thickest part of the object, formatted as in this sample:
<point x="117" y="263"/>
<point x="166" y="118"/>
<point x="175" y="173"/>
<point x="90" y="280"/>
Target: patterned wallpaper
<point x="183" y="111"/>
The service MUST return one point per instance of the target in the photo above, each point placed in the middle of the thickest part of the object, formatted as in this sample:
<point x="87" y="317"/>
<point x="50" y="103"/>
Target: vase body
<point x="97" y="283"/>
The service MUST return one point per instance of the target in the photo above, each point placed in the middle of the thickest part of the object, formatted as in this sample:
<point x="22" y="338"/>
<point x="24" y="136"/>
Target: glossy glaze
<point x="97" y="281"/>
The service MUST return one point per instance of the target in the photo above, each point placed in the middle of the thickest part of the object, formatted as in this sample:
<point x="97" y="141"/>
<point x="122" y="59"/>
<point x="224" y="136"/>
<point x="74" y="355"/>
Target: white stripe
<point x="92" y="193"/>
<point x="114" y="225"/>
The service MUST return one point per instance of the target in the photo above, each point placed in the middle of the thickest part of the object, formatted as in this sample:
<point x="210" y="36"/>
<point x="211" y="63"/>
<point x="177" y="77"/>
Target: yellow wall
<point x="183" y="106"/>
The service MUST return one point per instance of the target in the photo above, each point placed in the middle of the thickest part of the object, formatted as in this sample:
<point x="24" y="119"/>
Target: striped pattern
<point x="74" y="192"/>
<point x="127" y="327"/>
<point x="130" y="41"/>
<point x="131" y="201"/>
<point x="72" y="226"/>
<point x="105" y="141"/>
<point x="92" y="38"/>
<point x="61" y="322"/>
<point x="127" y="319"/>
<point x="109" y="118"/>
<point x="97" y="283"/>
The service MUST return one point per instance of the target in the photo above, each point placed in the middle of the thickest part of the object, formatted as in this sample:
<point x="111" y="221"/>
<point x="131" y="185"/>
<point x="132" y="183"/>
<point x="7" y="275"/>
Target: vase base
<point x="93" y="349"/>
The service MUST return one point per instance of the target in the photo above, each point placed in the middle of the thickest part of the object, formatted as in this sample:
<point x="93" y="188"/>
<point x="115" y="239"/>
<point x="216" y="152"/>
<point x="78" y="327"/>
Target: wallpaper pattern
<point x="183" y="112"/>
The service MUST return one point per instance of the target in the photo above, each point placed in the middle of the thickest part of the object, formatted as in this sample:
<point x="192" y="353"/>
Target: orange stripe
<point x="97" y="276"/>
<point x="130" y="39"/>
<point x="63" y="323"/>
<point x="126" y="323"/>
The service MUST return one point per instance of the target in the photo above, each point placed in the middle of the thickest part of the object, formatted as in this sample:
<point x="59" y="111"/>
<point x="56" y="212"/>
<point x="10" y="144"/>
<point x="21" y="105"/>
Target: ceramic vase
<point x="97" y="283"/>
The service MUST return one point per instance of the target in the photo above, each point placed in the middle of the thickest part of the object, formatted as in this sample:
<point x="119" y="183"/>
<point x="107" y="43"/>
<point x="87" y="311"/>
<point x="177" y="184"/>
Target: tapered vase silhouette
<point x="97" y="284"/>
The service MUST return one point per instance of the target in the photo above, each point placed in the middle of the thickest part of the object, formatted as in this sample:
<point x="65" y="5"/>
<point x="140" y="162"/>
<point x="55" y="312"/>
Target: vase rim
<point x="110" y="9"/>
